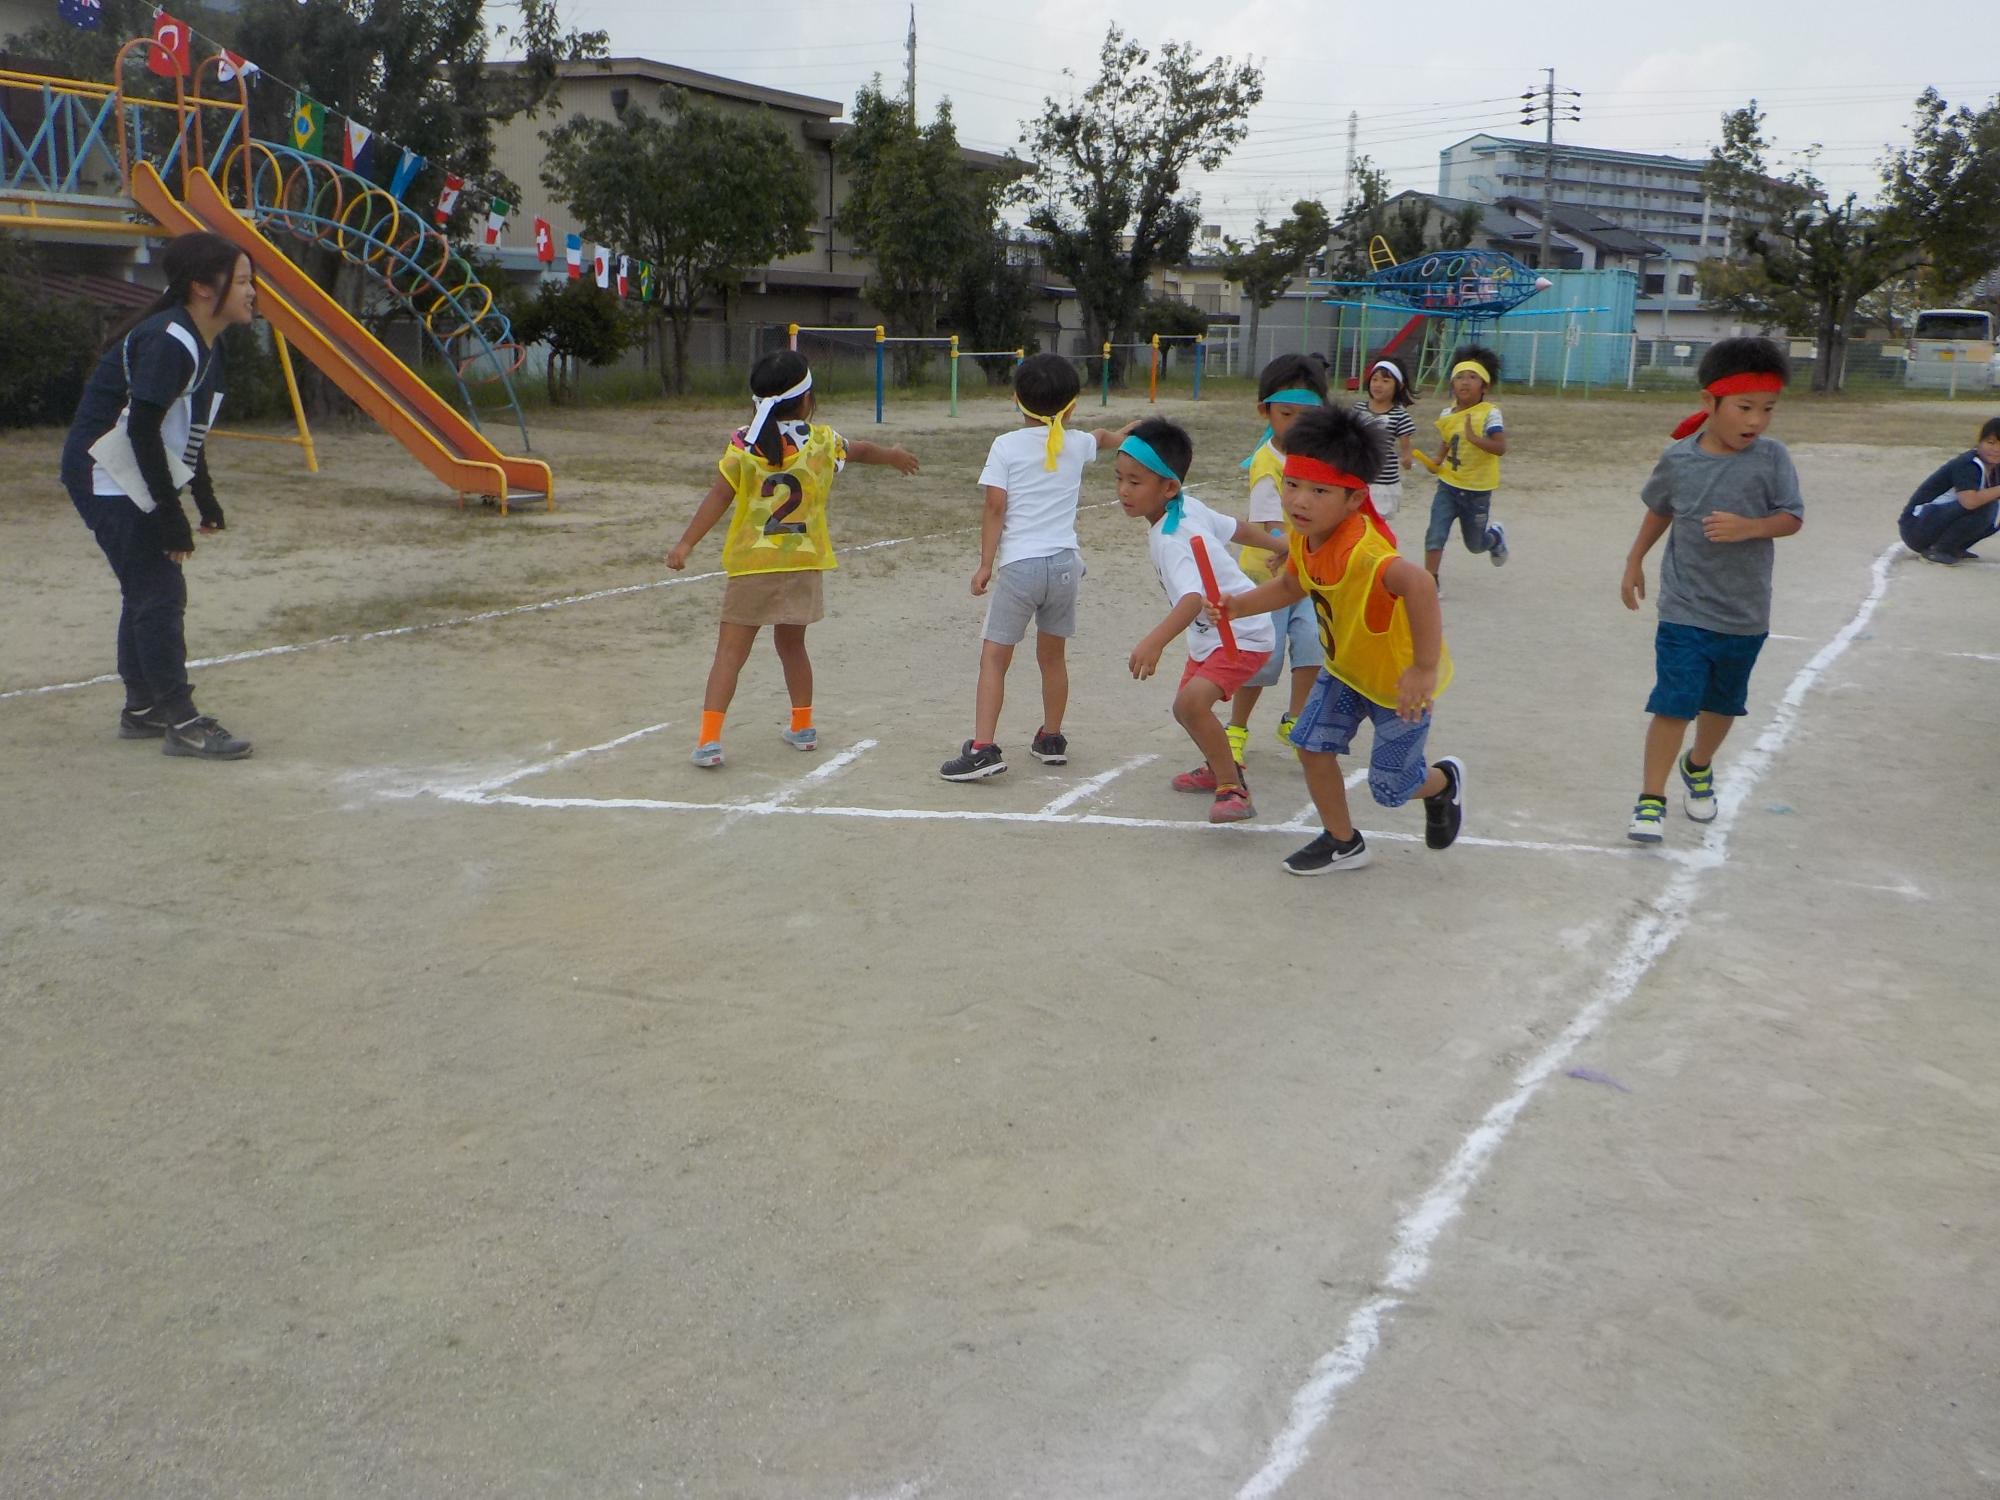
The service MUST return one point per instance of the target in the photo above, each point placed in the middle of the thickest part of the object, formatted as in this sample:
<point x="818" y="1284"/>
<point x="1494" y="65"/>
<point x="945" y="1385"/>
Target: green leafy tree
<point x="1411" y="226"/>
<point x="579" y="321"/>
<point x="1105" y="189"/>
<point x="1947" y="182"/>
<point x="703" y="194"/>
<point x="921" y="213"/>
<point x="991" y="308"/>
<point x="47" y="344"/>
<point x="1802" y="262"/>
<point x="1267" y="266"/>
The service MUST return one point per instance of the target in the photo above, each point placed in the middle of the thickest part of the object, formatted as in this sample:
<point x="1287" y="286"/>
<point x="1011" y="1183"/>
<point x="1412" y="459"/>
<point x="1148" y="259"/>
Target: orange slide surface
<point x="435" y="433"/>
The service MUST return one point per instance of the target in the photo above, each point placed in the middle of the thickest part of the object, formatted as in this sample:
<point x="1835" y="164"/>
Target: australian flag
<point x="89" y="14"/>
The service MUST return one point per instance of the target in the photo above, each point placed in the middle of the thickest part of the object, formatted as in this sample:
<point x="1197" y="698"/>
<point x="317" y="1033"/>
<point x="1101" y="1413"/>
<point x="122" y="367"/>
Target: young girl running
<point x="776" y="473"/>
<point x="1388" y="402"/>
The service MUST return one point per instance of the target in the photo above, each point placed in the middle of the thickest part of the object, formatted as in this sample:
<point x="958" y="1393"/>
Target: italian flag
<point x="496" y="219"/>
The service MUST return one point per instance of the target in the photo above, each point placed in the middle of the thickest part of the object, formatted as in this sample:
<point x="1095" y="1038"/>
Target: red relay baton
<point x="1208" y="582"/>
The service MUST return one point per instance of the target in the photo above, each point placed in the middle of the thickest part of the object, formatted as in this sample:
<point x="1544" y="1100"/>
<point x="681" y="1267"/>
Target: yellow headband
<point x="1475" y="367"/>
<point x="1055" y="424"/>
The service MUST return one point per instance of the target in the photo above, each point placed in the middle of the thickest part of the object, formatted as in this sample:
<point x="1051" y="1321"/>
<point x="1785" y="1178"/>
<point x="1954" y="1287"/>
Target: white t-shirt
<point x="1267" y="506"/>
<point x="1173" y="560"/>
<point x="1041" y="502"/>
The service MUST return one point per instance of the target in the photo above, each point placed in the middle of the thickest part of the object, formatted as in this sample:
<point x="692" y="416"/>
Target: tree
<point x="47" y="343"/>
<point x="990" y="308"/>
<point x="1947" y="181"/>
<point x="1803" y="262"/>
<point x="1267" y="266"/>
<point x="1105" y="188"/>
<point x="578" y="320"/>
<point x="1410" y="227"/>
<point x="703" y="194"/>
<point x="922" y="214"/>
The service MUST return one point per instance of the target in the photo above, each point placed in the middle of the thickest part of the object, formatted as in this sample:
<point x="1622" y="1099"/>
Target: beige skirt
<point x="796" y="598"/>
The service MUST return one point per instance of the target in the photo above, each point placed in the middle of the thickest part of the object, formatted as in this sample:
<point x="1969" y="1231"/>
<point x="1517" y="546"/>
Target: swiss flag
<point x="170" y="56"/>
<point x="545" y="242"/>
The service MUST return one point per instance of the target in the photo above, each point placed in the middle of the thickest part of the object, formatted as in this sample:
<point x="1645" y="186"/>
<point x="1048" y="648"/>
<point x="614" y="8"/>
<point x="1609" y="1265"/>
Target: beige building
<point x="821" y="285"/>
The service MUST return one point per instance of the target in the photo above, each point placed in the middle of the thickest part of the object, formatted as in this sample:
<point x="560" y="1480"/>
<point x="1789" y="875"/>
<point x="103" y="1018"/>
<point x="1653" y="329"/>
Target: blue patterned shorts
<point x="1326" y="726"/>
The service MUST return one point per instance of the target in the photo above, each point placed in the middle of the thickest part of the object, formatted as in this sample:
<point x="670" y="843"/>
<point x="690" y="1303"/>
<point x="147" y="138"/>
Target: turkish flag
<point x="545" y="242"/>
<point x="170" y="56"/>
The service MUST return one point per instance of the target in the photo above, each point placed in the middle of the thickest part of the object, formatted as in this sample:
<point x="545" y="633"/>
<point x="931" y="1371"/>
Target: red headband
<point x="1729" y="385"/>
<point x="1317" y="471"/>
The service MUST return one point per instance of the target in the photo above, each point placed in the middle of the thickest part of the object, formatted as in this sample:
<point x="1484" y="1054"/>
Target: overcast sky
<point x="1654" y="77"/>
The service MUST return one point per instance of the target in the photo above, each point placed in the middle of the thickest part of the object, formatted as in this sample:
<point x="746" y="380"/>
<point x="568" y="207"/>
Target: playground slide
<point x="430" y="428"/>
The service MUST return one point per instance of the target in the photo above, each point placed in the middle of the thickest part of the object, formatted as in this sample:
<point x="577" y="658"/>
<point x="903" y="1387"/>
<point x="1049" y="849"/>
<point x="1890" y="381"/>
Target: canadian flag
<point x="170" y="54"/>
<point x="573" y="252"/>
<point x="448" y="199"/>
<point x="600" y="264"/>
<point x="545" y="242"/>
<point x="624" y="275"/>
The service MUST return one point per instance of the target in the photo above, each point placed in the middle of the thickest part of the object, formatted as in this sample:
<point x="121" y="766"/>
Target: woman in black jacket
<point x="163" y="374"/>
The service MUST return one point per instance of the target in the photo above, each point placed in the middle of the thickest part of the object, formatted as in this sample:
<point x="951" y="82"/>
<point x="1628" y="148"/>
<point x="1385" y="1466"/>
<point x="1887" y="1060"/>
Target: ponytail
<point x="198" y="259"/>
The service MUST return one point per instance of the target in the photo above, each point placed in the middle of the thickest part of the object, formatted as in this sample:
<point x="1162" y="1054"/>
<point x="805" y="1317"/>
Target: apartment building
<point x="1656" y="198"/>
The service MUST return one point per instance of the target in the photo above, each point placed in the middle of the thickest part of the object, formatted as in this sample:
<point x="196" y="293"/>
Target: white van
<point x="1950" y="349"/>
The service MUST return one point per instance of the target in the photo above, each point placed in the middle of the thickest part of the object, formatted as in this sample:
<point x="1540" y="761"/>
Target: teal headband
<point x="1138" y="449"/>
<point x="1293" y="397"/>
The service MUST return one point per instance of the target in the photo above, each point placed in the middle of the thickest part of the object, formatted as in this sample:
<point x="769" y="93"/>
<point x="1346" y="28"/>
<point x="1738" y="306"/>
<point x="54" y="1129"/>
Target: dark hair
<point x="1990" y="430"/>
<point x="1405" y="389"/>
<point x="190" y="260"/>
<point x="1341" y="436"/>
<point x="1746" y="356"/>
<point x="772" y="374"/>
<point x="1484" y="356"/>
<point x="1045" y="384"/>
<point x="1292" y="372"/>
<point x="1170" y="441"/>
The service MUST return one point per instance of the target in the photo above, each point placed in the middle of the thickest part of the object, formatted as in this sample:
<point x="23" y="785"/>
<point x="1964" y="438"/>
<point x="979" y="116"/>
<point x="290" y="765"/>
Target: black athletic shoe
<point x="1050" y="749"/>
<point x="974" y="765"/>
<point x="1940" y="556"/>
<point x="206" y="739"/>
<point x="1326" y="854"/>
<point x="1446" y="811"/>
<point x="141" y="724"/>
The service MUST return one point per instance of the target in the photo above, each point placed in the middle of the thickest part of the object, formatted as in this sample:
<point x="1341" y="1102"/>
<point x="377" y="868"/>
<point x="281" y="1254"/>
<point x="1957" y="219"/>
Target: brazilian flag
<point x="309" y="126"/>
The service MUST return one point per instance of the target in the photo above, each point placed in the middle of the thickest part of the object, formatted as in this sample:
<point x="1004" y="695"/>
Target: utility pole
<point x="1353" y="135"/>
<point x="1545" y="109"/>
<point x="910" y="65"/>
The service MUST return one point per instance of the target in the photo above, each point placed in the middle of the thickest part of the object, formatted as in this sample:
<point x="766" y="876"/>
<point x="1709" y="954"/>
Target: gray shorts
<point x="1038" y="589"/>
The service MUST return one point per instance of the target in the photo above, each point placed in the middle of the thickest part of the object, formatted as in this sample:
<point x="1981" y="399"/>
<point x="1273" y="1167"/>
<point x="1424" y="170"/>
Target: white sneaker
<point x="1700" y="789"/>
<point x="707" y="756"/>
<point x="1647" y="816"/>
<point x="1497" y="553"/>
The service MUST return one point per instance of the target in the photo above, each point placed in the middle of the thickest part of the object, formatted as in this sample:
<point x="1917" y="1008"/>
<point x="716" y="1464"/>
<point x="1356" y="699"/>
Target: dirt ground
<point x="422" y="1108"/>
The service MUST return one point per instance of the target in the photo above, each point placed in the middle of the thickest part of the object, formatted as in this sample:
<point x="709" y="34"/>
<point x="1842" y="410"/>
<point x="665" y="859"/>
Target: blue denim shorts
<point x="1471" y="509"/>
<point x="1298" y="629"/>
<point x="1326" y="726"/>
<point x="1699" y="671"/>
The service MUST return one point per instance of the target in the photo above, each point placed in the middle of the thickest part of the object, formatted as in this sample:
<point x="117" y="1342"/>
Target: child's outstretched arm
<point x="1632" y="588"/>
<point x="901" y="459"/>
<point x="1250" y="534"/>
<point x="1110" y="437"/>
<point x="1145" y="659"/>
<point x="714" y="505"/>
<point x="1283" y="589"/>
<point x="990" y="524"/>
<point x="1419" y="592"/>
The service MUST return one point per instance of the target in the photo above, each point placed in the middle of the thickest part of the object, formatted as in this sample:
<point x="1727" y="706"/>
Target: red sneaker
<point x="1231" y="805"/>
<point x="1201" y="779"/>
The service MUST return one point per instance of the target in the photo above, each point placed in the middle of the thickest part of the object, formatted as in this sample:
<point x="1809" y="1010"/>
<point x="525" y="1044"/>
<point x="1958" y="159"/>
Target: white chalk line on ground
<point x="355" y="638"/>
<point x="1095" y="784"/>
<point x="783" y="797"/>
<point x="1651" y="934"/>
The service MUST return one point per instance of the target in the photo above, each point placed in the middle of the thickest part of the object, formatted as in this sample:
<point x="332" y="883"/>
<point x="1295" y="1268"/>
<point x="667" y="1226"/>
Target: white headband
<point x="1392" y="367"/>
<point x="768" y="404"/>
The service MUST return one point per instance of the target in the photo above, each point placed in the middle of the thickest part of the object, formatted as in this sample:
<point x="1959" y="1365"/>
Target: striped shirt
<point x="1397" y="420"/>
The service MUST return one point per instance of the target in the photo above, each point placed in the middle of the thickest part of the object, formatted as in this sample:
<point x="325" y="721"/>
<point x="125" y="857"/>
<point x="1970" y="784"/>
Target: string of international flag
<point x="611" y="269"/>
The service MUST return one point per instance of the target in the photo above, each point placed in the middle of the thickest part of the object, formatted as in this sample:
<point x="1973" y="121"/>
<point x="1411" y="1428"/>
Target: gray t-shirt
<point x="1719" y="586"/>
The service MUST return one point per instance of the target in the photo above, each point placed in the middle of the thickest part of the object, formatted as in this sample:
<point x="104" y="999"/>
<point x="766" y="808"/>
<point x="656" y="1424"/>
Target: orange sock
<point x="802" y="718"/>
<point x="711" y="726"/>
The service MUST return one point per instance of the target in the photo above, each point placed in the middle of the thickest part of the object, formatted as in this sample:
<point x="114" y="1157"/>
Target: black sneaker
<point x="1942" y="557"/>
<point x="205" y="738"/>
<point x="973" y="765"/>
<point x="141" y="724"/>
<point x="1446" y="811"/>
<point x="1050" y="749"/>
<point x="1326" y="854"/>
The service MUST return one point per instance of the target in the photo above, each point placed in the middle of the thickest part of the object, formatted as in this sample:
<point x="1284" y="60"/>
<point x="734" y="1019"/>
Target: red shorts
<point x="1227" y="669"/>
